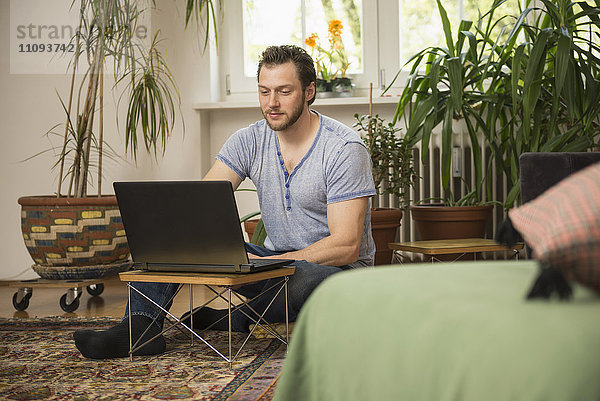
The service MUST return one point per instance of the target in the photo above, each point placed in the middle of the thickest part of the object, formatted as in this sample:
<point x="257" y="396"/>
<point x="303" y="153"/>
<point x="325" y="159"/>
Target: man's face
<point x="282" y="100"/>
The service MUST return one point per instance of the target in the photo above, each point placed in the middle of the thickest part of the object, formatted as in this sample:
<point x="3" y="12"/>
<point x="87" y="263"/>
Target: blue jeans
<point x="306" y="278"/>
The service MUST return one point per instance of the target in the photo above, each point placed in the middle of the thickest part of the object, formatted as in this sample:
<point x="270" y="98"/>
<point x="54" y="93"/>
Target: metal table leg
<point x="129" y="319"/>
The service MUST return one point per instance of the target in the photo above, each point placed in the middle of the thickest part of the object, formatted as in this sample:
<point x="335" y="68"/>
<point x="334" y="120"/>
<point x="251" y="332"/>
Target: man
<point x="313" y="178"/>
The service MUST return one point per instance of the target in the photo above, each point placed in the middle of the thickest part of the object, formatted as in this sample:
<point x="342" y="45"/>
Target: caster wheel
<point x="72" y="307"/>
<point x="21" y="306"/>
<point x="95" y="289"/>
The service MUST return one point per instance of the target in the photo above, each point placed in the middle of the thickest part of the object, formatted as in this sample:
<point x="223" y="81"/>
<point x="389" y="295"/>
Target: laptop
<point x="186" y="226"/>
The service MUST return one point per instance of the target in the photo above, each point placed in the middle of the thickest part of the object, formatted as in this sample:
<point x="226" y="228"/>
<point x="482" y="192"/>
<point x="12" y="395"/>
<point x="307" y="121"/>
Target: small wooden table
<point x="433" y="248"/>
<point x="228" y="282"/>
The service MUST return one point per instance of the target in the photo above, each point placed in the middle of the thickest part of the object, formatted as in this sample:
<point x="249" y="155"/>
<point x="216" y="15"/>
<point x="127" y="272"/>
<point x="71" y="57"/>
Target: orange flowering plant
<point x="332" y="60"/>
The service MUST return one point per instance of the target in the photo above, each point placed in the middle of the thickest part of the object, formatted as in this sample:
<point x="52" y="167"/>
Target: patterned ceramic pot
<point x="74" y="237"/>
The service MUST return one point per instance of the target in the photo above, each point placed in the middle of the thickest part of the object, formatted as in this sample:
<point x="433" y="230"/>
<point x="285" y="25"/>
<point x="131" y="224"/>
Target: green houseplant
<point x="393" y="174"/>
<point x="521" y="83"/>
<point x="544" y="91"/>
<point x="391" y="157"/>
<point x="445" y="86"/>
<point x="81" y="236"/>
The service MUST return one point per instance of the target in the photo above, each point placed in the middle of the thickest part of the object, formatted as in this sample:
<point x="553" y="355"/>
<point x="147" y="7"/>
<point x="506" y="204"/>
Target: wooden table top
<point x="447" y="246"/>
<point x="223" y="279"/>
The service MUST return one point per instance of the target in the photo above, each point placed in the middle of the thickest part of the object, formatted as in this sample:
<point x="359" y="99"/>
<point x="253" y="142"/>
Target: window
<point x="274" y="22"/>
<point x="268" y="22"/>
<point x="422" y="27"/>
<point x="382" y="34"/>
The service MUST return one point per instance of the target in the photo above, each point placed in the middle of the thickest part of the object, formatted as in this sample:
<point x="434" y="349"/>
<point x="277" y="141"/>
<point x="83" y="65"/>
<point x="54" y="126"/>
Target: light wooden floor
<point x="111" y="303"/>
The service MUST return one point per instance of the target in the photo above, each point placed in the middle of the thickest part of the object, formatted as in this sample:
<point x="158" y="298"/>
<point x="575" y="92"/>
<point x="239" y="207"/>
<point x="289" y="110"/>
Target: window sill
<point x="339" y="101"/>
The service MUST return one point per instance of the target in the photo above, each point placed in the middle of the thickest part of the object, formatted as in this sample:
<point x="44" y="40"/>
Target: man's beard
<point x="293" y="117"/>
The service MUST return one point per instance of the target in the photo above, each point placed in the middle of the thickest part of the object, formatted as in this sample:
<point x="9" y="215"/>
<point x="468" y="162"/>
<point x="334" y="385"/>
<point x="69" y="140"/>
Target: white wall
<point x="29" y="108"/>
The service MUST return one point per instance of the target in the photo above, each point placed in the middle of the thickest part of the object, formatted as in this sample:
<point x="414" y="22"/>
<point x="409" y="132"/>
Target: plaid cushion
<point x="562" y="226"/>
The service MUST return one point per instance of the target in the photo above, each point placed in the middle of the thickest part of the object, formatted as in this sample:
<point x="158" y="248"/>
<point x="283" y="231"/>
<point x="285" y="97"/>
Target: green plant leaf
<point x="447" y="28"/>
<point x="455" y="76"/>
<point x="513" y="194"/>
<point x="464" y="26"/>
<point x="517" y="62"/>
<point x="447" y="146"/>
<point x="418" y="116"/>
<point x="260" y="234"/>
<point x="249" y="216"/>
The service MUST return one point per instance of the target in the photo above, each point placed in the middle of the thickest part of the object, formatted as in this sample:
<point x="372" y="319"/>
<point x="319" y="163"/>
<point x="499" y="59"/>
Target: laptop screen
<point x="181" y="222"/>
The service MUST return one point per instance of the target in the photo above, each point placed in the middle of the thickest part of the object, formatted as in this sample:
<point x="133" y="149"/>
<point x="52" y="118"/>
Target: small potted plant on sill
<point x="78" y="235"/>
<point x="331" y="63"/>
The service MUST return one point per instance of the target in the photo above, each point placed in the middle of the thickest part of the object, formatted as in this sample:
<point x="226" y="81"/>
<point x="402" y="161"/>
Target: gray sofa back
<point x="541" y="170"/>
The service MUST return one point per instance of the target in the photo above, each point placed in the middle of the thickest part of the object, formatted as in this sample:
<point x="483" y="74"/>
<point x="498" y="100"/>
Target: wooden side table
<point x="434" y="248"/>
<point x="226" y="282"/>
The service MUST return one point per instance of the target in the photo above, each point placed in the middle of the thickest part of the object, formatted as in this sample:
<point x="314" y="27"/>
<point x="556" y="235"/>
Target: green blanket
<point x="461" y="331"/>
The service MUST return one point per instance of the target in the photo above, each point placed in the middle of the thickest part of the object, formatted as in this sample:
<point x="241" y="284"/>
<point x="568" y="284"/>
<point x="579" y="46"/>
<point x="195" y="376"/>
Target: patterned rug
<point x="40" y="361"/>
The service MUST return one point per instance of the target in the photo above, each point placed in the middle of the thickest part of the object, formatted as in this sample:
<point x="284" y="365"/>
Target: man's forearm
<point x="328" y="251"/>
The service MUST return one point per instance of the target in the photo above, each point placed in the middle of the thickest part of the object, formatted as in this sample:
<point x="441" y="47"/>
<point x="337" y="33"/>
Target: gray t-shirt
<point x="293" y="206"/>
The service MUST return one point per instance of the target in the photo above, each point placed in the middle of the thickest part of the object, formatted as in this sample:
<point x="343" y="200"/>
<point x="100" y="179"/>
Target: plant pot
<point x="436" y="222"/>
<point x="250" y="226"/>
<point x="74" y="238"/>
<point x="342" y="87"/>
<point x="323" y="88"/>
<point x="384" y="225"/>
<point x="445" y="222"/>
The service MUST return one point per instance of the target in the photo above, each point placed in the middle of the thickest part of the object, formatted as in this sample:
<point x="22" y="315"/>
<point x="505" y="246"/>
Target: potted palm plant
<point x="539" y="94"/>
<point x="74" y="234"/>
<point x="448" y="84"/>
<point x="544" y="92"/>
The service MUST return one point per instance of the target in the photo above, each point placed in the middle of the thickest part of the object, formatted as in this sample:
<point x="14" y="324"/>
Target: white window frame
<point x="380" y="56"/>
